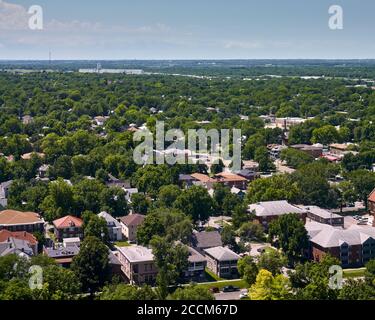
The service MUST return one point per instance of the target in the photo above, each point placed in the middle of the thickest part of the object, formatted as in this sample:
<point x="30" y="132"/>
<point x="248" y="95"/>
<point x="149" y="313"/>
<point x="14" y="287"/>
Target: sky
<point x="186" y="29"/>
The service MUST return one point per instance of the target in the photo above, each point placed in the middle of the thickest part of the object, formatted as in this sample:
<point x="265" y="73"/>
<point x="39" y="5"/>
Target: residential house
<point x="4" y="192"/>
<point x="62" y="255"/>
<point x="320" y="215"/>
<point x="371" y="203"/>
<point x="32" y="242"/>
<point x="340" y="149"/>
<point x="312" y="150"/>
<point x="43" y="171"/>
<point x="28" y="156"/>
<point x="186" y="180"/>
<point x="137" y="263"/>
<point x="250" y="165"/>
<point x="222" y="261"/>
<point x="206" y="239"/>
<point x="275" y="150"/>
<point x="13" y="220"/>
<point x="267" y="211"/>
<point x="231" y="180"/>
<point x="130" y="224"/>
<point x="248" y="174"/>
<point x="68" y="227"/>
<point x="353" y="247"/>
<point x="114" y="227"/>
<point x="16" y="246"/>
<point x="197" y="264"/>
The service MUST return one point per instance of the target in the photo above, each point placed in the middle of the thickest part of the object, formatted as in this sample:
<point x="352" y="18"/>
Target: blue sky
<point x="175" y="29"/>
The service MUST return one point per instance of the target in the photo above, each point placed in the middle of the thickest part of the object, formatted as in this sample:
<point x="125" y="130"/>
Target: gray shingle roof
<point x="207" y="239"/>
<point x="327" y="236"/>
<point x="274" y="208"/>
<point x="222" y="254"/>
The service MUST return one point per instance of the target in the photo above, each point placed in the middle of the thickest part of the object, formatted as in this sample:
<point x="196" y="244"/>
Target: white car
<point x="244" y="294"/>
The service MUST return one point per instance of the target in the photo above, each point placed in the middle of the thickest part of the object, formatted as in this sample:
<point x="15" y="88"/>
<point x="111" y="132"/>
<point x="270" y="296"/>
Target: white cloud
<point x="13" y="17"/>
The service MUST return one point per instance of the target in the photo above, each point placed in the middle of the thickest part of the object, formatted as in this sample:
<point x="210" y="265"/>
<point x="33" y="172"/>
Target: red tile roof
<point x="133" y="219"/>
<point x="22" y="235"/>
<point x="67" y="222"/>
<point x="372" y="196"/>
<point x="13" y="217"/>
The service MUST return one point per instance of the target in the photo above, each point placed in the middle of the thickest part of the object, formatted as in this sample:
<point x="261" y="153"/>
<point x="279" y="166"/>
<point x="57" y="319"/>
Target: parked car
<point x="230" y="289"/>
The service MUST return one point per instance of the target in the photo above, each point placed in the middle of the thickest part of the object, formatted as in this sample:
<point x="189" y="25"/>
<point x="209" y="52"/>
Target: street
<point x="228" y="295"/>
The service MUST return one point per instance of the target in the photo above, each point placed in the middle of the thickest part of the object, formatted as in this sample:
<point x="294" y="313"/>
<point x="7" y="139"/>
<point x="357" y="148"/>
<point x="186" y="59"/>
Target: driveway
<point x="228" y="296"/>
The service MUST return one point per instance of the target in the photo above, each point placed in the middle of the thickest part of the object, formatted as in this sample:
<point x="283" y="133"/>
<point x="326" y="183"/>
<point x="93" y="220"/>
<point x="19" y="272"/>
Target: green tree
<point x="248" y="269"/>
<point x="191" y="293"/>
<point x="91" y="264"/>
<point x="291" y="236"/>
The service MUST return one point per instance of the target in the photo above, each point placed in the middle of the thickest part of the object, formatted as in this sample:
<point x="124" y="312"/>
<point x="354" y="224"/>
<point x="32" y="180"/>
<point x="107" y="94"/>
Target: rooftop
<point x="133" y="219"/>
<point x="137" y="254"/>
<point x="68" y="221"/>
<point x="207" y="239"/>
<point x="372" y="196"/>
<point x="195" y="256"/>
<point x="21" y="235"/>
<point x="13" y="217"/>
<point x="327" y="236"/>
<point x="274" y="208"/>
<point x="222" y="254"/>
<point x="321" y="212"/>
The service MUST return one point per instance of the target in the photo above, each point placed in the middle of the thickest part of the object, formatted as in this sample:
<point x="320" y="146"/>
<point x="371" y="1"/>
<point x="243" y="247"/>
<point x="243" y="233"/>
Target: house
<point x="250" y="165"/>
<point x="42" y="171"/>
<point x="16" y="246"/>
<point x="114" y="182"/>
<point x="314" y="151"/>
<point x="28" y="156"/>
<point x="27" y="119"/>
<point x="68" y="227"/>
<point x="5" y="235"/>
<point x="13" y="220"/>
<point x="137" y="263"/>
<point x="4" y="192"/>
<point x="320" y="215"/>
<point x="114" y="227"/>
<point x="371" y="203"/>
<point x="340" y="149"/>
<point x="186" y="180"/>
<point x="203" y="180"/>
<point x="275" y="150"/>
<point x="267" y="211"/>
<point x="197" y="264"/>
<point x="205" y="240"/>
<point x="130" y="224"/>
<point x="129" y="193"/>
<point x="248" y="174"/>
<point x="71" y="242"/>
<point x="222" y="261"/>
<point x="231" y="180"/>
<point x="62" y="255"/>
<point x="353" y="247"/>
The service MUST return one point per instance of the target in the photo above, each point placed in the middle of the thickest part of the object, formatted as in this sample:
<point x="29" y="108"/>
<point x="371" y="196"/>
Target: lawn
<point x="354" y="273"/>
<point x="210" y="276"/>
<point x="122" y="244"/>
<point x="236" y="283"/>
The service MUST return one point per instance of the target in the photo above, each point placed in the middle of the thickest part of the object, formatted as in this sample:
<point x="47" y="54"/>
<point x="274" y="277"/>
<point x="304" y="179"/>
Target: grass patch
<point x="210" y="276"/>
<point x="354" y="273"/>
<point x="238" y="283"/>
<point x="122" y="244"/>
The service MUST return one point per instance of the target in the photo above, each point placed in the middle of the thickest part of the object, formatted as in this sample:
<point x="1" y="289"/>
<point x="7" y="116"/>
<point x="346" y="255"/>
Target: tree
<point x="278" y="187"/>
<point x="273" y="261"/>
<point x="217" y="167"/>
<point x="191" y="293"/>
<point x="168" y="195"/>
<point x="114" y="202"/>
<point x="228" y="236"/>
<point x="91" y="264"/>
<point x="311" y="280"/>
<point x="87" y="195"/>
<point x="363" y="182"/>
<point x="171" y="261"/>
<point x="354" y="289"/>
<point x="59" y="200"/>
<point x="296" y="158"/>
<point x="325" y="135"/>
<point x="140" y="203"/>
<point x="96" y="227"/>
<point x="250" y="231"/>
<point x="240" y="215"/>
<point x="262" y="157"/>
<point x="195" y="202"/>
<point x="248" y="269"/>
<point x="269" y="287"/>
<point x="291" y="236"/>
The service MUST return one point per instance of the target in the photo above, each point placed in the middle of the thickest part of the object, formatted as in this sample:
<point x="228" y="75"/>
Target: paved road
<point x="228" y="296"/>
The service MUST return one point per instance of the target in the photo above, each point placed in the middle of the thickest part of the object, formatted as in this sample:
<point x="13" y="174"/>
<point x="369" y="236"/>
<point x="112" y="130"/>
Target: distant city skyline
<point x="169" y="29"/>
